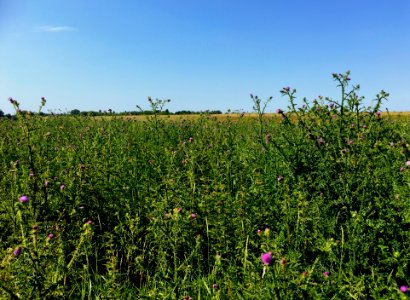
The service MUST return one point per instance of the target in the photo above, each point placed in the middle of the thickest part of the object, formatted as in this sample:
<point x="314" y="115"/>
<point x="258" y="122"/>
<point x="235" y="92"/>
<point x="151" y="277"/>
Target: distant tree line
<point x="77" y="112"/>
<point x="3" y="115"/>
<point x="144" y="112"/>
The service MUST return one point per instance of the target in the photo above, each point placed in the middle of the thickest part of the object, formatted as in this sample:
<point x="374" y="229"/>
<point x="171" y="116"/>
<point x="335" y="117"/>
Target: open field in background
<point x="393" y="115"/>
<point x="314" y="206"/>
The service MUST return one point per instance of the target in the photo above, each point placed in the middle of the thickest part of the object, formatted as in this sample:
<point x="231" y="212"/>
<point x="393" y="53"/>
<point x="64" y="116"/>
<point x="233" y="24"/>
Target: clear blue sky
<point x="201" y="54"/>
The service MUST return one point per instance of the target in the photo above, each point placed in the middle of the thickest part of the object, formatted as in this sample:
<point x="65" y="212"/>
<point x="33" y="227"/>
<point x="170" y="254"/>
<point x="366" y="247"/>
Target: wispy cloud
<point x="57" y="28"/>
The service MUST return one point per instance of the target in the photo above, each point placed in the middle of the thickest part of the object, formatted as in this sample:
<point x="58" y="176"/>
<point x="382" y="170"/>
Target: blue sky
<point x="201" y="54"/>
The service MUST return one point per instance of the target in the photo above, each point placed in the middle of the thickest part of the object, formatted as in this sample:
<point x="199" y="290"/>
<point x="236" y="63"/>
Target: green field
<point x="312" y="206"/>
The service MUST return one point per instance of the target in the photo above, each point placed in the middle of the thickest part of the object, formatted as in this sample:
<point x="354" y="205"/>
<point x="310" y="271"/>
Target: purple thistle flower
<point x="321" y="141"/>
<point x="191" y="139"/>
<point x="23" y="199"/>
<point x="259" y="232"/>
<point x="351" y="142"/>
<point x="408" y="163"/>
<point x="266" y="258"/>
<point x="279" y="111"/>
<point x="286" y="89"/>
<point x="192" y="216"/>
<point x="50" y="236"/>
<point x="62" y="187"/>
<point x="280" y="178"/>
<point x="34" y="227"/>
<point x="401" y="169"/>
<point x="326" y="274"/>
<point x="215" y="286"/>
<point x="187" y="298"/>
<point x="404" y="289"/>
<point x="17" y="251"/>
<point x="89" y="222"/>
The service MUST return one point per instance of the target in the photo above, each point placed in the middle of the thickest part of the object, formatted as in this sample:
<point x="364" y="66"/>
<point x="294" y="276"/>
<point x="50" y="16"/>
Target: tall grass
<point x="126" y="209"/>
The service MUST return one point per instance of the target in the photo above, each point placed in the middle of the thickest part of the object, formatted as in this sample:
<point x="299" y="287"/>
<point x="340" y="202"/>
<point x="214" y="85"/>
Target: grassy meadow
<point x="311" y="203"/>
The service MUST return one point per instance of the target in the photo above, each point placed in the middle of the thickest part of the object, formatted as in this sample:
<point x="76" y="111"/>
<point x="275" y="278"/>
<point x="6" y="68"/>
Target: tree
<point x="75" y="112"/>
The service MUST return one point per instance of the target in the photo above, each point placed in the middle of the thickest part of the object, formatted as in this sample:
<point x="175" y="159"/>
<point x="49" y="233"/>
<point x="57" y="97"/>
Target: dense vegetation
<point x="312" y="204"/>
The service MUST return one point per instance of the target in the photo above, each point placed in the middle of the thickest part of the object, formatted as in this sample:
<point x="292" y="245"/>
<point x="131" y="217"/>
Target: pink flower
<point x="192" y="216"/>
<point x="408" y="163"/>
<point x="404" y="289"/>
<point x="326" y="274"/>
<point x="17" y="251"/>
<point x="23" y="199"/>
<point x="50" y="236"/>
<point x="266" y="258"/>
